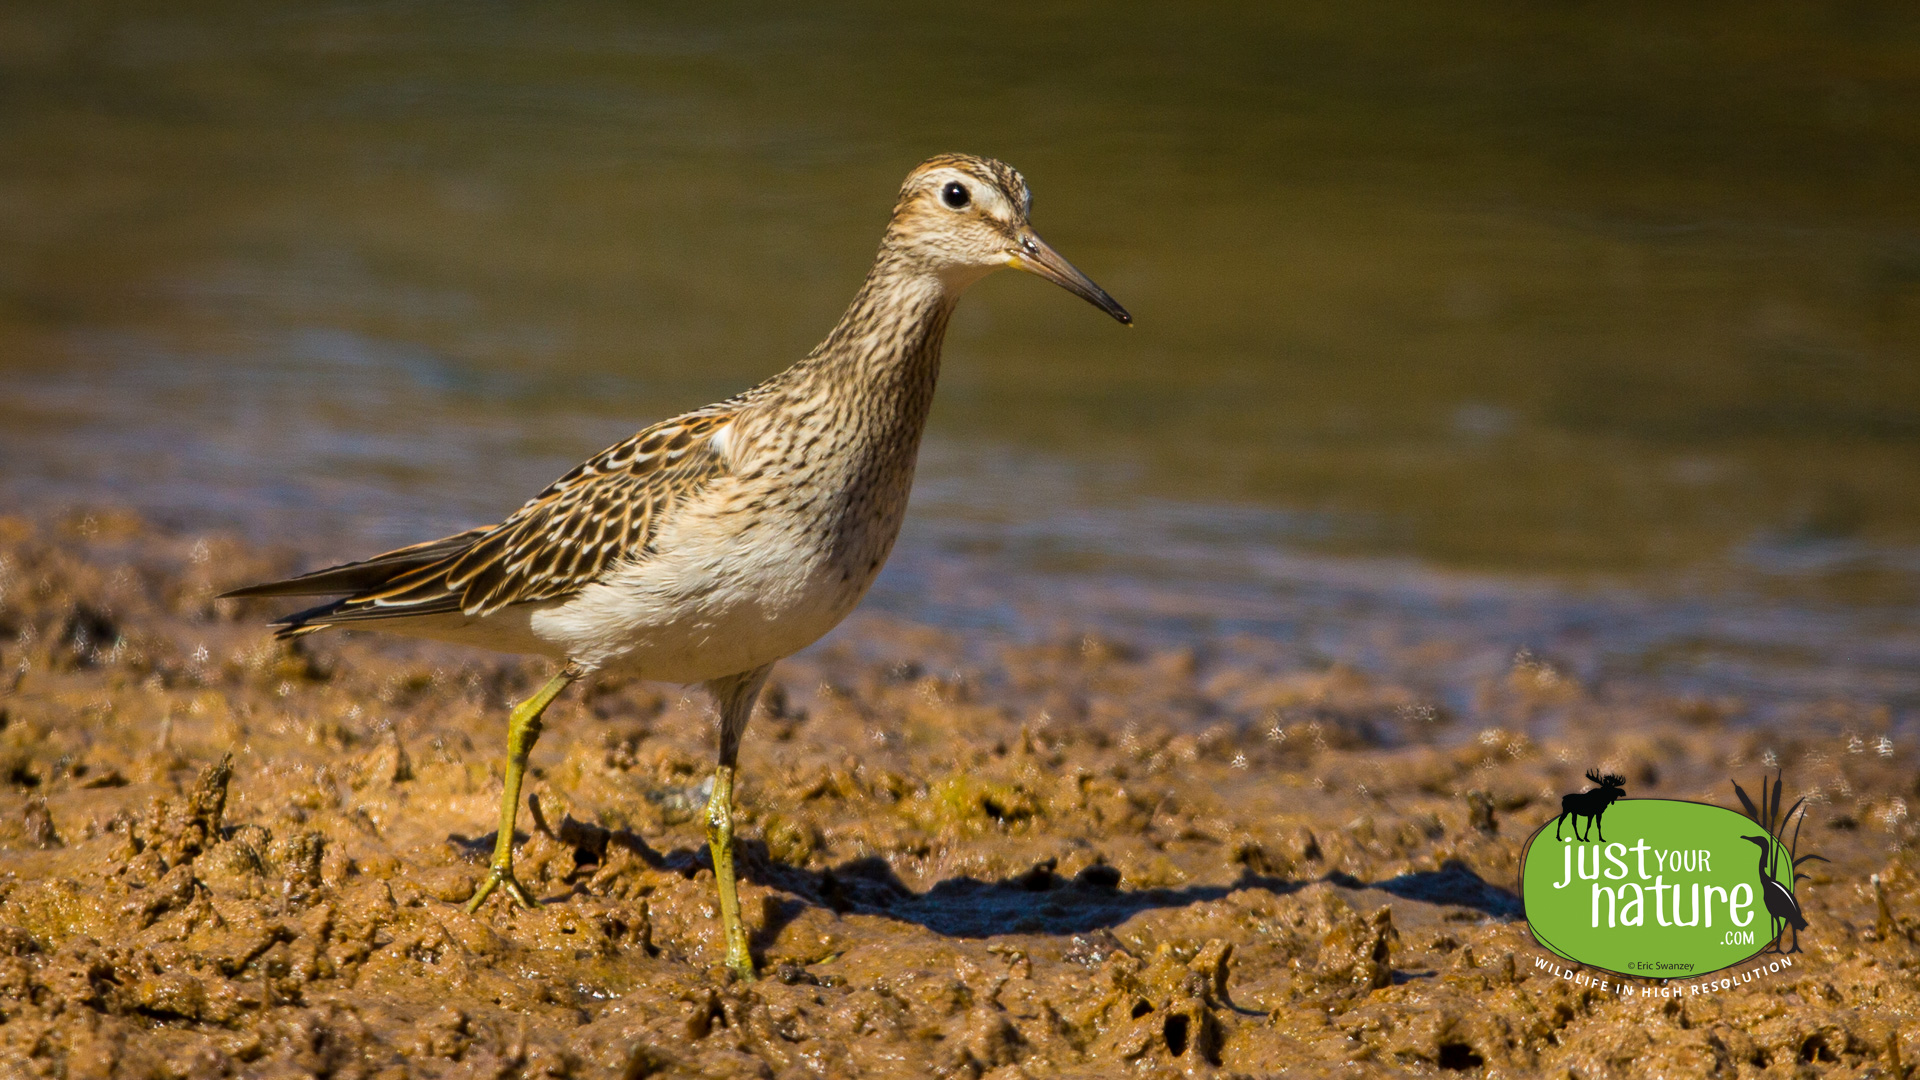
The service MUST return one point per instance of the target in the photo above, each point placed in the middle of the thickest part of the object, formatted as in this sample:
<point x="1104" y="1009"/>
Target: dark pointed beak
<point x="1036" y="257"/>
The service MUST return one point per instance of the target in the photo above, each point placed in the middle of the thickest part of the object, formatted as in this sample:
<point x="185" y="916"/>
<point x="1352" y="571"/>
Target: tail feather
<point x="301" y="623"/>
<point x="354" y="609"/>
<point x="367" y="575"/>
<point x="353" y="582"/>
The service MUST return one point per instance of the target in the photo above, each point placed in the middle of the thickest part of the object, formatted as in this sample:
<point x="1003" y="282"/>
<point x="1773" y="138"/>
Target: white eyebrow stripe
<point x="985" y="195"/>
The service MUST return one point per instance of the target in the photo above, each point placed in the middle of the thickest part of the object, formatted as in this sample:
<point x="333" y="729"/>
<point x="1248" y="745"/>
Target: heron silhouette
<point x="1781" y="905"/>
<point x="1779" y="898"/>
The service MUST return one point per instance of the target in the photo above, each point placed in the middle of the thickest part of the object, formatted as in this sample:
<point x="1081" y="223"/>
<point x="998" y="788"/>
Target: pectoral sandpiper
<point x="711" y="545"/>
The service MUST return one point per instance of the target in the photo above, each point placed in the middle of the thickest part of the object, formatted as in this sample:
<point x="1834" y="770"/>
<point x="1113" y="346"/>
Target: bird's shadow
<point x="1036" y="901"/>
<point x="1039" y="901"/>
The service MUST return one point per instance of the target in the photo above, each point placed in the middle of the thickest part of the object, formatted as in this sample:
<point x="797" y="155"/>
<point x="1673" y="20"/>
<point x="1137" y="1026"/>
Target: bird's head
<point x="962" y="217"/>
<point x="1765" y="842"/>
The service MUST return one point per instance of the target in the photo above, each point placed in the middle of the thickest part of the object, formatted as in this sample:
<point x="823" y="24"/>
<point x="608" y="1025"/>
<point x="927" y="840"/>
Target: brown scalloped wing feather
<point x="566" y="537"/>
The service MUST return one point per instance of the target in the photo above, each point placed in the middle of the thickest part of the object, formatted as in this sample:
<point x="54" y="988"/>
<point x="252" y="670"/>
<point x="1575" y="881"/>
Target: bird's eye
<point x="955" y="195"/>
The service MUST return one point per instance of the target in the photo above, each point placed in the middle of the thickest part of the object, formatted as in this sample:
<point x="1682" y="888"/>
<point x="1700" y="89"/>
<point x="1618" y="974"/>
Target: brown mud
<point x="220" y="856"/>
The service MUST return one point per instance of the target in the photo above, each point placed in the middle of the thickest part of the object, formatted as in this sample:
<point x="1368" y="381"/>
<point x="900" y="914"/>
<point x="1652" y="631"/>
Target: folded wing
<point x="604" y="511"/>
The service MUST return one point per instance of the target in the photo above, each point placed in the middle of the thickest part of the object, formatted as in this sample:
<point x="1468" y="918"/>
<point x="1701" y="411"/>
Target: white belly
<point x="710" y="604"/>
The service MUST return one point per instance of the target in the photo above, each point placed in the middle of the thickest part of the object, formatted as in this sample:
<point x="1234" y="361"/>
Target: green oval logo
<point x="1674" y="890"/>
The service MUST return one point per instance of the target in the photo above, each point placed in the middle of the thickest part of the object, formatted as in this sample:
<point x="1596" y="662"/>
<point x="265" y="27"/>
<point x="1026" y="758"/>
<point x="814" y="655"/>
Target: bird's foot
<point x="739" y="959"/>
<point x="498" y="876"/>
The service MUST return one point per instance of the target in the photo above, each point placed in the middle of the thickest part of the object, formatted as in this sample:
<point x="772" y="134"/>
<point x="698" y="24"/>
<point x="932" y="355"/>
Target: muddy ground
<point x="963" y="858"/>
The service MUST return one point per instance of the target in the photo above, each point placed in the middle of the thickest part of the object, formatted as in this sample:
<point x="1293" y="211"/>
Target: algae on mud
<point x="221" y="856"/>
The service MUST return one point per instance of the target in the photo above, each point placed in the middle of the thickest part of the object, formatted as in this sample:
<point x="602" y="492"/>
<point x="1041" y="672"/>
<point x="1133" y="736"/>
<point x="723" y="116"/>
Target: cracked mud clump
<point x="220" y="856"/>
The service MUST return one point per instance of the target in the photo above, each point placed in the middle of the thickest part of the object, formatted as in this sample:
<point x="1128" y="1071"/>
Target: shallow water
<point x="1580" y="330"/>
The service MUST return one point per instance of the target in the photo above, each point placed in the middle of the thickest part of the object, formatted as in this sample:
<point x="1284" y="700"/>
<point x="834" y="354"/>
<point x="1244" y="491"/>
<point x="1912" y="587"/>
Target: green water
<point x="1584" y="293"/>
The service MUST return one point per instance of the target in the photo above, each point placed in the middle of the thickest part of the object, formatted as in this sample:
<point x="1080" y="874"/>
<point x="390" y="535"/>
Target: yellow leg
<point x="720" y="842"/>
<point x="523" y="730"/>
<point x="735" y="695"/>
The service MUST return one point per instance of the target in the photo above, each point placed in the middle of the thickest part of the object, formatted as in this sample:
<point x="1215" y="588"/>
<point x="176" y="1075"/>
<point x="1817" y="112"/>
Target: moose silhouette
<point x="1590" y="804"/>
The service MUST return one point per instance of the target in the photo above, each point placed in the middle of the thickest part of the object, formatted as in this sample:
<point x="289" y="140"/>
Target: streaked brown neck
<point x="883" y="358"/>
